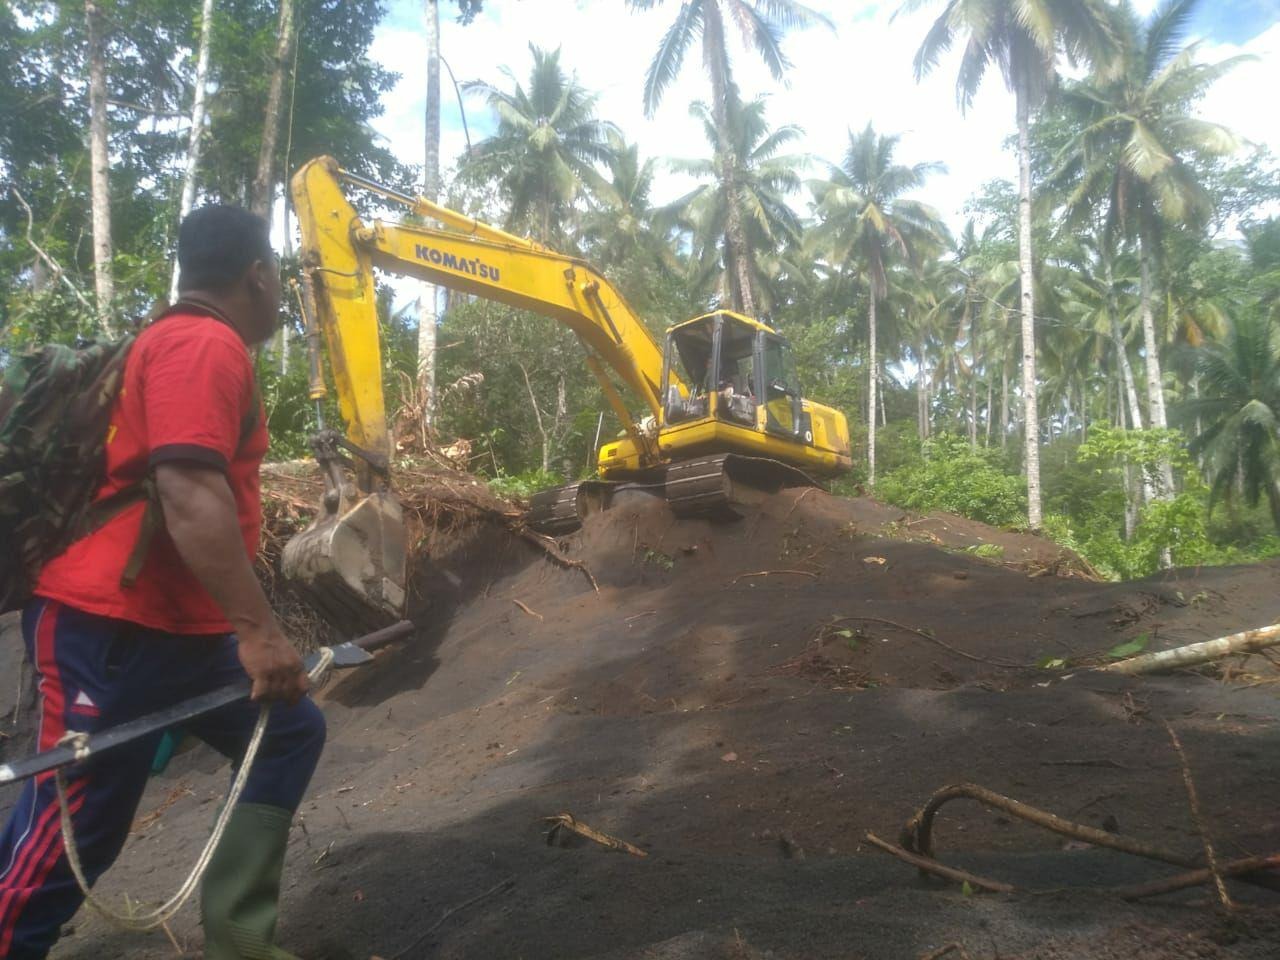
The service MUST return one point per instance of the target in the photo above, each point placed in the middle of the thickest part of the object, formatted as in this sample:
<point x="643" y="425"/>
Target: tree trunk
<point x="990" y="406"/>
<point x="871" y="393"/>
<point x="196" y="136"/>
<point x="1004" y="402"/>
<point x="1126" y="374"/>
<point x="1031" y="416"/>
<point x="99" y="179"/>
<point x="264" y="182"/>
<point x="428" y="303"/>
<point x="537" y="416"/>
<point x="737" y="256"/>
<point x="922" y="396"/>
<point x="1131" y="494"/>
<point x="1155" y="390"/>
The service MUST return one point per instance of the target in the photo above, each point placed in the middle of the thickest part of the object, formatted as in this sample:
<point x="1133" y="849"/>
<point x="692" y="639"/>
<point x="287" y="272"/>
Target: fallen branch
<point x="501" y="887"/>
<point x="917" y="838"/>
<point x="52" y="264"/>
<point x="1002" y="664"/>
<point x="929" y="865"/>
<point x="917" y="834"/>
<point x="525" y="607"/>
<point x="1193" y="801"/>
<point x="771" y="573"/>
<point x="1194" y="878"/>
<point x="565" y="821"/>
<point x="1247" y="641"/>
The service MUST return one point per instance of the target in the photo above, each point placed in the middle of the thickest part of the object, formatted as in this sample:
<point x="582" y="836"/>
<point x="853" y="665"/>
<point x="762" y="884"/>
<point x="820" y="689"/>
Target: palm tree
<point x="1023" y="38"/>
<point x="1132" y="154"/>
<point x="625" y="234"/>
<point x="546" y="146"/>
<point x="1240" y="409"/>
<point x="762" y="179"/>
<point x="864" y="219"/>
<point x="761" y="24"/>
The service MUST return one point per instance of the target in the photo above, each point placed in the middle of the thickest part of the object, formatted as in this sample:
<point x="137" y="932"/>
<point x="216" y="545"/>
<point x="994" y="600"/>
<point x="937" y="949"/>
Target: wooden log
<point x="1247" y="641"/>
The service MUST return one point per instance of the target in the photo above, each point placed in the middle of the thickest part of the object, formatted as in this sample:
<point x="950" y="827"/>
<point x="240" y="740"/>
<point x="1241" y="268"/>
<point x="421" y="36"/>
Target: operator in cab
<point x="161" y="603"/>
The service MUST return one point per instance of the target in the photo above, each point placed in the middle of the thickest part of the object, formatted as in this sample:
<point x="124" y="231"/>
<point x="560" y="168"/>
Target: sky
<point x="840" y="79"/>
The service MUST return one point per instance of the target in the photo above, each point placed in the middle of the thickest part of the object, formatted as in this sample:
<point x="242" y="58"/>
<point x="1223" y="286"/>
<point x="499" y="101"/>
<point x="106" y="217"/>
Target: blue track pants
<point x="96" y="673"/>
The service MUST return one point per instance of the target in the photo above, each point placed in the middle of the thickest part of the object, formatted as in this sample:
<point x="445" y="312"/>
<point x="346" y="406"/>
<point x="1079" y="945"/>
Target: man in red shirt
<point x="161" y="603"/>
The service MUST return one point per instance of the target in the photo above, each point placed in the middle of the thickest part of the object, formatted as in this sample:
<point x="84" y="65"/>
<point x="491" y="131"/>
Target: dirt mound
<point x="743" y="701"/>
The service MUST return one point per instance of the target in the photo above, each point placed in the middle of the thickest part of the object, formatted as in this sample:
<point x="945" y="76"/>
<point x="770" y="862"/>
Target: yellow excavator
<point x="722" y="419"/>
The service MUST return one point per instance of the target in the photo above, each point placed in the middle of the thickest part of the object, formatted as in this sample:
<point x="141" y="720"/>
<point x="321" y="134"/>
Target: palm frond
<point x="671" y="52"/>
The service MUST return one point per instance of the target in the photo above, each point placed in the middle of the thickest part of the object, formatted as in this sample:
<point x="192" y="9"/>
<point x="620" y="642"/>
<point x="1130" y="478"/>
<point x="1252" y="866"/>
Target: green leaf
<point x="1130" y="648"/>
<point x="966" y="889"/>
<point x="844" y="633"/>
<point x="1051" y="663"/>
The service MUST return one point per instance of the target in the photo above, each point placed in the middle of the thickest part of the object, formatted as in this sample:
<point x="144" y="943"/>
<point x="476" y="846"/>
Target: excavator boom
<point x="719" y="409"/>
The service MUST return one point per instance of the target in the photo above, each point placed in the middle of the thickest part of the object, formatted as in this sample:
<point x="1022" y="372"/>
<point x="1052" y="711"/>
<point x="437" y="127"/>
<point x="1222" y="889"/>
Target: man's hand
<point x="273" y="665"/>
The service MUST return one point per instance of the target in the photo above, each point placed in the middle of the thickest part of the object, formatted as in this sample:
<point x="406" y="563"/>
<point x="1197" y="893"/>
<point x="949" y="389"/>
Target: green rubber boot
<point x="239" y="900"/>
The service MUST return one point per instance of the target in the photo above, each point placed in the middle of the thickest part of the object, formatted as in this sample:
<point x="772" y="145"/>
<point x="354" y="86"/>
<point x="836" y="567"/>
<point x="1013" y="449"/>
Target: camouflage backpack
<point x="55" y="409"/>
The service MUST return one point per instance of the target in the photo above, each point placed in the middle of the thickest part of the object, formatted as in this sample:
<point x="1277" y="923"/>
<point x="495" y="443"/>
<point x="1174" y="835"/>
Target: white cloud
<point x="839" y="81"/>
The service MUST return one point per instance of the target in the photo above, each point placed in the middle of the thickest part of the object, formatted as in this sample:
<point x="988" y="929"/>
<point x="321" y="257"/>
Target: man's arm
<point x="200" y="516"/>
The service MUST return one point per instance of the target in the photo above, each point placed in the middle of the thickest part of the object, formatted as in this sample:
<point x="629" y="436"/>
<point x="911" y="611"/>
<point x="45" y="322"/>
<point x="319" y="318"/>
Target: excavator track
<point x="717" y="487"/>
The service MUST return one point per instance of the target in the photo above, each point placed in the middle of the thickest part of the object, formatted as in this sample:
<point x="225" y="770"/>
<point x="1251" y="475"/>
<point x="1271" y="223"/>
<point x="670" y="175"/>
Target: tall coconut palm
<point x="1131" y="157"/>
<point x="762" y="177"/>
<point x="621" y="225"/>
<point x="865" y="219"/>
<point x="761" y="24"/>
<point x="546" y="146"/>
<point x="1023" y="38"/>
<point x="1240" y="410"/>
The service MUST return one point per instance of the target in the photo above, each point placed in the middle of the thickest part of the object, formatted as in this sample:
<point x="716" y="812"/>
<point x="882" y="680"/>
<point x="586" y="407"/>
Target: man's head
<point x="225" y="258"/>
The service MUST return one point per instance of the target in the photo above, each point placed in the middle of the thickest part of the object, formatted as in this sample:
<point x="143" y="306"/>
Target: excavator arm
<point x="353" y="556"/>
<point x="341" y="251"/>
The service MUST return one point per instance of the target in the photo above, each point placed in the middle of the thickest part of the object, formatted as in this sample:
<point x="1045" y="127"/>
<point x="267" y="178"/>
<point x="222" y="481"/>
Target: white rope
<point x="132" y="919"/>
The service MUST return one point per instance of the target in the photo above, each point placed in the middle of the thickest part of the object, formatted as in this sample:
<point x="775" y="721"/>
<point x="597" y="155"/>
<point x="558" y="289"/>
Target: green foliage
<point x="522" y="486"/>
<point x="955" y="478"/>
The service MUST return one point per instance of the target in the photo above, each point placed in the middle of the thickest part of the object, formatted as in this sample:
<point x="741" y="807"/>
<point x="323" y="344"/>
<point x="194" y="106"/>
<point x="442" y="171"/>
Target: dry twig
<point x="525" y="607"/>
<point x="929" y="865"/>
<point x="566" y="821"/>
<point x="797" y="503"/>
<point x="1194" y="878"/>
<point x="1002" y="664"/>
<point x="1193" y="801"/>
<point x="501" y="887"/>
<point x="946" y="951"/>
<point x="771" y="573"/>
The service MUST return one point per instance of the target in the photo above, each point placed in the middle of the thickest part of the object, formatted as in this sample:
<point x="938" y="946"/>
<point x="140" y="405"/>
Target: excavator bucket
<point x="352" y="564"/>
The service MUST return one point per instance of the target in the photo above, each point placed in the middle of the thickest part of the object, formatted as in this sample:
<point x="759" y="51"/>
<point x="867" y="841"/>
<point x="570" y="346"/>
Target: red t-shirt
<point x="188" y="395"/>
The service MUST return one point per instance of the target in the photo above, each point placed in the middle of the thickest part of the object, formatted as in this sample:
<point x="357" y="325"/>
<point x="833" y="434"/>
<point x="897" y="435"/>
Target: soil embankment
<point x="744" y="701"/>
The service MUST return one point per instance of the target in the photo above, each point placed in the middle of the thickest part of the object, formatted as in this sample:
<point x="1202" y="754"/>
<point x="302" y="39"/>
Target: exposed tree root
<point x="917" y="839"/>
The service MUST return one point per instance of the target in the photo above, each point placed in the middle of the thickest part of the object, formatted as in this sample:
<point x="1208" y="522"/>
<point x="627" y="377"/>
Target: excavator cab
<point x="730" y="370"/>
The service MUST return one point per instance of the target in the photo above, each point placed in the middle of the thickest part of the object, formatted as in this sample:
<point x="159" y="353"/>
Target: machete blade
<point x="349" y="655"/>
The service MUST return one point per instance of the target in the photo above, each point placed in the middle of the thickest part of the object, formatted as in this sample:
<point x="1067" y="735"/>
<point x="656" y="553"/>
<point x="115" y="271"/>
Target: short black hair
<point x="217" y="243"/>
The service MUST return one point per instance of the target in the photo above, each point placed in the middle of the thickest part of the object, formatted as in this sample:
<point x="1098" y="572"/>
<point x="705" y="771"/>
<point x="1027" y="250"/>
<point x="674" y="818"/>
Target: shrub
<point x="959" y="479"/>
